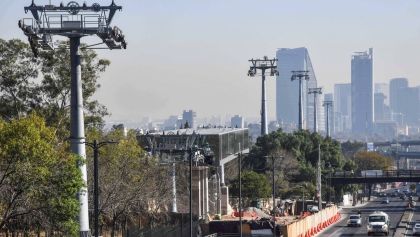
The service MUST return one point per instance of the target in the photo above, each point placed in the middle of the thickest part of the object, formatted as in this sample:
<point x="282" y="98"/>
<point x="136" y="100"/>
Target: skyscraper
<point x="384" y="89"/>
<point x="362" y="113"/>
<point x="396" y="93"/>
<point x="237" y="122"/>
<point x="287" y="94"/>
<point x="189" y="116"/>
<point x="342" y="107"/>
<point x="404" y="101"/>
<point x="380" y="107"/>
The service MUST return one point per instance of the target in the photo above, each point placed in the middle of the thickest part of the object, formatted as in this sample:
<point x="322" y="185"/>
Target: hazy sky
<point x="194" y="54"/>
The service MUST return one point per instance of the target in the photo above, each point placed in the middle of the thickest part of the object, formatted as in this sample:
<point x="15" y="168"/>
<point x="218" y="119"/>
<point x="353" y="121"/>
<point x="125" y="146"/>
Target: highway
<point x="394" y="209"/>
<point x="414" y="218"/>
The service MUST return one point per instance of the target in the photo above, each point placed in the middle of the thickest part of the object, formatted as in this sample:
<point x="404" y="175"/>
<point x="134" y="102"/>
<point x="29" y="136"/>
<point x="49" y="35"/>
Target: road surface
<point x="394" y="209"/>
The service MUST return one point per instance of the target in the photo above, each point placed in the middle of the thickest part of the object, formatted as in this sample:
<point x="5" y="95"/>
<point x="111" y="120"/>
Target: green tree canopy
<point x="130" y="181"/>
<point x="38" y="179"/>
<point x="302" y="145"/>
<point x="254" y="186"/>
<point x="372" y="161"/>
<point x="42" y="84"/>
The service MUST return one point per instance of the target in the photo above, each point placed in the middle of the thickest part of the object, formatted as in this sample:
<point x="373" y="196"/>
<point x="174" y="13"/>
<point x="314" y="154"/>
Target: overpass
<point x="387" y="176"/>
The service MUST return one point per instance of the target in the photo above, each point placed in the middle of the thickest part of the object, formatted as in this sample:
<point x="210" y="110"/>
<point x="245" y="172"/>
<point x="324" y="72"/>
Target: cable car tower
<point x="74" y="21"/>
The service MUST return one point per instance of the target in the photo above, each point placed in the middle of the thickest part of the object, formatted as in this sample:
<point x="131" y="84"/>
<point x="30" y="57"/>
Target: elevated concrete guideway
<point x="387" y="176"/>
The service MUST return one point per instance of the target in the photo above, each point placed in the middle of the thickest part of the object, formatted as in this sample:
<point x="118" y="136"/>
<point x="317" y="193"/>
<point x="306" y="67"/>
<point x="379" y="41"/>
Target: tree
<point x="131" y="184"/>
<point x="28" y="84"/>
<point x="301" y="147"/>
<point x="38" y="179"/>
<point x="349" y="148"/>
<point x="372" y="161"/>
<point x="254" y="186"/>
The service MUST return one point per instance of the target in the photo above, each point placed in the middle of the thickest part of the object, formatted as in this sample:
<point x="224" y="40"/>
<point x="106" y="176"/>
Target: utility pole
<point x="300" y="75"/>
<point x="273" y="187"/>
<point x="315" y="91"/>
<point x="190" y="184"/>
<point x="240" y="192"/>
<point x="95" y="146"/>
<point x="263" y="65"/>
<point x="39" y="31"/>
<point x="328" y="104"/>
<point x="318" y="179"/>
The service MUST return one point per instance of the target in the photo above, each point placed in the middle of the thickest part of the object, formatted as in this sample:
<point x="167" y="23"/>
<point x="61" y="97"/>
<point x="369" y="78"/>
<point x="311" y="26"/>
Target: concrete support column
<point x="206" y="190"/>
<point x="196" y="191"/>
<point x="200" y="200"/>
<point x="225" y="200"/>
<point x="222" y="175"/>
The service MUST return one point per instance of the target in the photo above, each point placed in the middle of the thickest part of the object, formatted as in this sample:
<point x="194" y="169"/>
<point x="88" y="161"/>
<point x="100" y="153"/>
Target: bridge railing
<point x="383" y="173"/>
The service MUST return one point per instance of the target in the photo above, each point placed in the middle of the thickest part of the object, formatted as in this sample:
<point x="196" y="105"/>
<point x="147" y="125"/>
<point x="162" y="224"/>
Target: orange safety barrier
<point x="309" y="226"/>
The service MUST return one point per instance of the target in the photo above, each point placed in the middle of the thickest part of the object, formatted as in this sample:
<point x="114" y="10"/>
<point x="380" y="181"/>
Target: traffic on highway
<point x="390" y="213"/>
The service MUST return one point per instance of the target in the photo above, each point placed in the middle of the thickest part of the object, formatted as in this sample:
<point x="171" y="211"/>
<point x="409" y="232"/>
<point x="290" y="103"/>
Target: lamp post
<point x="318" y="183"/>
<point x="240" y="192"/>
<point x="95" y="146"/>
<point x="300" y="75"/>
<point x="190" y="186"/>
<point x="263" y="65"/>
<point x="273" y="186"/>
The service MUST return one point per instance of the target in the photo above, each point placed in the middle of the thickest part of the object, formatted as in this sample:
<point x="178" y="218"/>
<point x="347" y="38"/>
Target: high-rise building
<point x="380" y="107"/>
<point x="237" y="122"/>
<point x="287" y="91"/>
<point x="404" y="101"/>
<point x="362" y="113"/>
<point x="189" y="116"/>
<point x="396" y="93"/>
<point x="172" y="123"/>
<point x="384" y="89"/>
<point x="342" y="107"/>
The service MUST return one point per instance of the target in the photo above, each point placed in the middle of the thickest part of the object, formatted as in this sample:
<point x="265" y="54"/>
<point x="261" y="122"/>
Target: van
<point x="378" y="222"/>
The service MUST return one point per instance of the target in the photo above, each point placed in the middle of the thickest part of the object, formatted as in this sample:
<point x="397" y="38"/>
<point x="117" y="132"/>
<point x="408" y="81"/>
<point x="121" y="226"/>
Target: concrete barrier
<point x="313" y="224"/>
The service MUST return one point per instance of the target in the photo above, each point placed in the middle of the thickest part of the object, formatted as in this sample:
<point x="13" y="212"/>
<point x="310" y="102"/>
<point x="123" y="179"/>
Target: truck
<point x="378" y="223"/>
<point x="371" y="173"/>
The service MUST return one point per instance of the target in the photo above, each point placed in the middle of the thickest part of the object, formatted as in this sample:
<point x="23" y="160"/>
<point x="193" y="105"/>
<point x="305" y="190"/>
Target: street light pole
<point x="95" y="146"/>
<point x="319" y="184"/>
<point x="190" y="184"/>
<point x="273" y="189"/>
<point x="240" y="193"/>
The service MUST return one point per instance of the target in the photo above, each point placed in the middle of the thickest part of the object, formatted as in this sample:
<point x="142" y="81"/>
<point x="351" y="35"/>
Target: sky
<point x="193" y="54"/>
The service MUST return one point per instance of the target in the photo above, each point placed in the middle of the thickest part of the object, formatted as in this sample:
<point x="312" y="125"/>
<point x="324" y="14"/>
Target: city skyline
<point x="171" y="59"/>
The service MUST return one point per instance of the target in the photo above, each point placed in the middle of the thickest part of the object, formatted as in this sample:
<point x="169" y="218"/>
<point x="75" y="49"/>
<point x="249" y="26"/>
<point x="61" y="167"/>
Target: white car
<point x="416" y="229"/>
<point x="354" y="220"/>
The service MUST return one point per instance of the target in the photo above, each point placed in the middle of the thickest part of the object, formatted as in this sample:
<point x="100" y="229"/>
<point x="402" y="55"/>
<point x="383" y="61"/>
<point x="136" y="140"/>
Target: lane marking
<point x="409" y="221"/>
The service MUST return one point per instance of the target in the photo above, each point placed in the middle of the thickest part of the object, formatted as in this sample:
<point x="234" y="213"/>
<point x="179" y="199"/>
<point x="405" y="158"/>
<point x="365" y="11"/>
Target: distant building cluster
<point x="359" y="110"/>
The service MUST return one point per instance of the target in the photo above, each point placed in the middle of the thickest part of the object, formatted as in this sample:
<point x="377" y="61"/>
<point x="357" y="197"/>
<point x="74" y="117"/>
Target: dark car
<point x="385" y="201"/>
